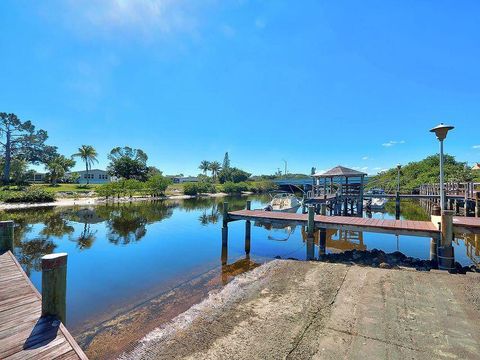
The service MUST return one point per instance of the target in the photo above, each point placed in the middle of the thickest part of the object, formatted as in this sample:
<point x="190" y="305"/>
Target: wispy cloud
<point x="393" y="142"/>
<point x="365" y="158"/>
<point x="476" y="147"/>
<point x="149" y="18"/>
<point x="260" y="23"/>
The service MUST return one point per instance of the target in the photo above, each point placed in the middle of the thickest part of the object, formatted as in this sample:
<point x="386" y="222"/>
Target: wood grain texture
<point x="24" y="334"/>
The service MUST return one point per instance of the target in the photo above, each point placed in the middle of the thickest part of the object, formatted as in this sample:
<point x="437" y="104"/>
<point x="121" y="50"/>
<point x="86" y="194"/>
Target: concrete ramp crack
<point x="314" y="316"/>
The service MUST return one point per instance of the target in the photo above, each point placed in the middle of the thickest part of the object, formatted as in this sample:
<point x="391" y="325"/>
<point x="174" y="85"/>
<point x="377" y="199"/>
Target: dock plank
<point x="405" y="227"/>
<point x="24" y="334"/>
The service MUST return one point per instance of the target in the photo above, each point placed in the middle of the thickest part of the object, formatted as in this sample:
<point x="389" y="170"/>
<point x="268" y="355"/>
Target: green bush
<point x="30" y="195"/>
<point x="156" y="185"/>
<point x="234" y="188"/>
<point x="261" y="186"/>
<point x="198" y="188"/>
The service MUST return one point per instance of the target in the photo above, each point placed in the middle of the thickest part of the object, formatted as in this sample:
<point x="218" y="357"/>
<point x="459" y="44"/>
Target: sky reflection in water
<point x="124" y="254"/>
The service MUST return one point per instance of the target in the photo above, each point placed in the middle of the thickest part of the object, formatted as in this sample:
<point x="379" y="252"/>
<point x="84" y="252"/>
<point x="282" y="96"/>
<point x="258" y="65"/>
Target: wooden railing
<point x="466" y="189"/>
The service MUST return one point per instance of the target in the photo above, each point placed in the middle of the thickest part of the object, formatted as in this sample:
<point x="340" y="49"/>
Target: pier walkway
<point x="398" y="227"/>
<point x="24" y="334"/>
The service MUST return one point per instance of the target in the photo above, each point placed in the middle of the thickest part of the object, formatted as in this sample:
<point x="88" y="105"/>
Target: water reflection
<point x="176" y="241"/>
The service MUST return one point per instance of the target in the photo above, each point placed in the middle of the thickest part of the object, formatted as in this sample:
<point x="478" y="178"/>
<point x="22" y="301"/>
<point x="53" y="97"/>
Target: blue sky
<point x="318" y="83"/>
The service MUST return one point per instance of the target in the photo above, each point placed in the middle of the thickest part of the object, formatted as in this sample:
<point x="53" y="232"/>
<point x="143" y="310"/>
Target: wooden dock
<point x="397" y="227"/>
<point x="24" y="334"/>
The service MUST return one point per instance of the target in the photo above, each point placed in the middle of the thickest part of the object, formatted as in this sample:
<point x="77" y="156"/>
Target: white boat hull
<point x="292" y="210"/>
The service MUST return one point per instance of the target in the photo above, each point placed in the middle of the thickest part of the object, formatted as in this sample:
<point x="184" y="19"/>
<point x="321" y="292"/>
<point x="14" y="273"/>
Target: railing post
<point x="249" y="204"/>
<point x="6" y="235"/>
<point x="54" y="286"/>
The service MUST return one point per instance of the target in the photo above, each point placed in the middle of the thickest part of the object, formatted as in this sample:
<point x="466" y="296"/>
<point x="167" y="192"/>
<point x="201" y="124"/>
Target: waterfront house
<point x="94" y="176"/>
<point x="36" y="177"/>
<point x="476" y="166"/>
<point x="184" y="179"/>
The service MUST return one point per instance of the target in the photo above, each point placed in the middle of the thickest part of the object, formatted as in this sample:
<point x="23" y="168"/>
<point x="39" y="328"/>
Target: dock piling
<point x="224" y="256"/>
<point x="54" y="286"/>
<point x="323" y="209"/>
<point x="445" y="252"/>
<point x="225" y="214"/>
<point x="322" y="241"/>
<point x="477" y="204"/>
<point x="311" y="221"/>
<point x="6" y="236"/>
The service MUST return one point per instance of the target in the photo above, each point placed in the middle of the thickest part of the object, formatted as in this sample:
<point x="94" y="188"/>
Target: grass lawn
<point x="77" y="188"/>
<point x="174" y="189"/>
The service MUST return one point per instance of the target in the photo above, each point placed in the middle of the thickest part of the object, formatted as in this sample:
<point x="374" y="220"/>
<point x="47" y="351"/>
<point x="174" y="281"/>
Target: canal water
<point x="124" y="255"/>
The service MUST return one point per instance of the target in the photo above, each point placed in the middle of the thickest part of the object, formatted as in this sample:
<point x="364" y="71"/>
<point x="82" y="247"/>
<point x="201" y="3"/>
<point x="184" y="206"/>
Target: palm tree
<point x="214" y="168"/>
<point x="89" y="155"/>
<point x="204" y="166"/>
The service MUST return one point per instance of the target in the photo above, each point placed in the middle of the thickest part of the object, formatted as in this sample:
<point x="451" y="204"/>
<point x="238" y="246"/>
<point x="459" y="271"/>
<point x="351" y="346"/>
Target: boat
<point x="284" y="202"/>
<point x="375" y="203"/>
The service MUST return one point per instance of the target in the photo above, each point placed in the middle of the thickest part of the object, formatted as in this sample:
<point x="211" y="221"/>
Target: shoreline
<point x="99" y="201"/>
<point x="370" y="311"/>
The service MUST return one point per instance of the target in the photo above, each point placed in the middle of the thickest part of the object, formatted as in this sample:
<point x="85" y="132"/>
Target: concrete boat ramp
<point x="315" y="310"/>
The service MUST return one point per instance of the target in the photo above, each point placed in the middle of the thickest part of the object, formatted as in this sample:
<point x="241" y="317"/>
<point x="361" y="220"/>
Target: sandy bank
<point x="304" y="310"/>
<point x="96" y="201"/>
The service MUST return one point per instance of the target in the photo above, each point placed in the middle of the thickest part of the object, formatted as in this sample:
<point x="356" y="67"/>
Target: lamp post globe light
<point x="441" y="131"/>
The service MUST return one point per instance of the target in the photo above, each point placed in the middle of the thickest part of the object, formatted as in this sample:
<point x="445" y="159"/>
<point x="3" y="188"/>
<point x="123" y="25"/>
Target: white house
<point x="94" y="176"/>
<point x="184" y="179"/>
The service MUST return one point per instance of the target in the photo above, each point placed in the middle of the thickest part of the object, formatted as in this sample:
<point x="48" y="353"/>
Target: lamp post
<point x="441" y="133"/>
<point x="398" y="177"/>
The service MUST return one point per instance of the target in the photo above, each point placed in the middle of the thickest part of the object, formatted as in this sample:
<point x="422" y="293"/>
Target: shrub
<point x="261" y="186"/>
<point x="30" y="195"/>
<point x="198" y="188"/>
<point x="156" y="185"/>
<point x="234" y="188"/>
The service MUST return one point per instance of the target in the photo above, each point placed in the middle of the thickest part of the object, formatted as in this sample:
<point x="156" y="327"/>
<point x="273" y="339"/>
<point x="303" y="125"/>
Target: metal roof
<point x="341" y="171"/>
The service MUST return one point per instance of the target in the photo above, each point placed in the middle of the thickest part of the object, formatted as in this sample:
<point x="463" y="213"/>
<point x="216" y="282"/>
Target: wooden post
<point x="323" y="209"/>
<point x="311" y="221"/>
<point x="397" y="206"/>
<point x="310" y="248"/>
<point x="6" y="236"/>
<point x="360" y="200"/>
<point x="54" y="286"/>
<point x="249" y="204"/>
<point x="322" y="241"/>
<point x="225" y="214"/>
<point x="477" y="204"/>
<point x="224" y="244"/>
<point x="434" y="249"/>
<point x="248" y="229"/>
<point x="446" y="259"/>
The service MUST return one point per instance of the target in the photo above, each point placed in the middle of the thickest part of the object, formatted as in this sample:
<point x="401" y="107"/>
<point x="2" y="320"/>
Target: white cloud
<point x="365" y="158"/>
<point x="141" y="17"/>
<point x="393" y="142"/>
<point x="476" y="146"/>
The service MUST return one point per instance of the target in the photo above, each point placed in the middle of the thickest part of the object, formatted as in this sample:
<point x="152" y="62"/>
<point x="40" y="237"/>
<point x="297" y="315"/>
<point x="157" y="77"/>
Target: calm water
<point x="124" y="254"/>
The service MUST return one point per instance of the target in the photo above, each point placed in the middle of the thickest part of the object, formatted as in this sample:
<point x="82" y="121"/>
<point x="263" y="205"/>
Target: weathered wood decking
<point x="23" y="333"/>
<point x="400" y="227"/>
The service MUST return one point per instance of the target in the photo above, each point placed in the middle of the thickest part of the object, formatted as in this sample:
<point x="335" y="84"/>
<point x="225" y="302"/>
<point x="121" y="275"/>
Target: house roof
<point x="341" y="171"/>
